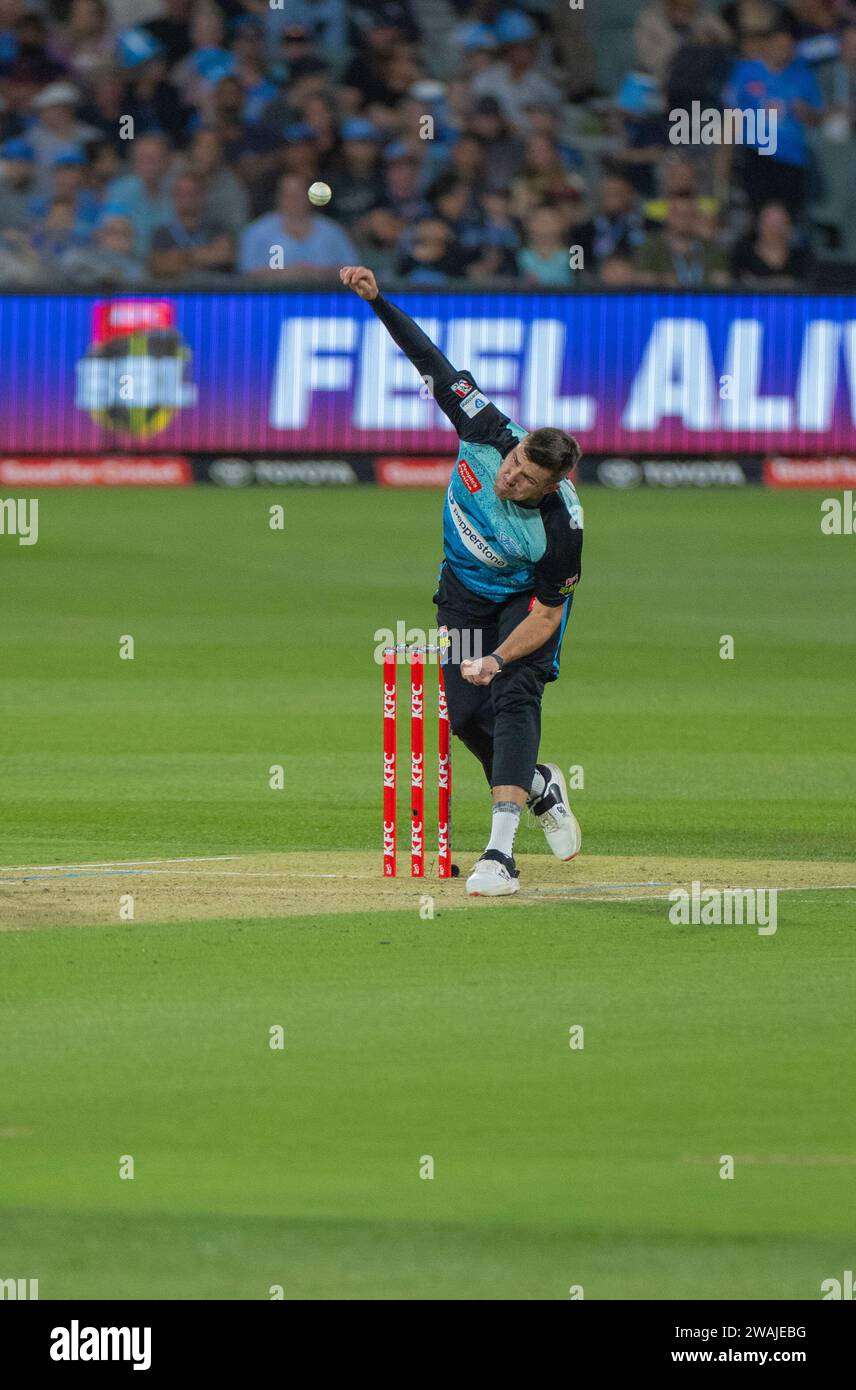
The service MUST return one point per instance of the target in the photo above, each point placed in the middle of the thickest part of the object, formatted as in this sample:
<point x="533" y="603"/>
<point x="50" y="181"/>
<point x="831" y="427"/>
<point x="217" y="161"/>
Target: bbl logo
<point x="133" y="377"/>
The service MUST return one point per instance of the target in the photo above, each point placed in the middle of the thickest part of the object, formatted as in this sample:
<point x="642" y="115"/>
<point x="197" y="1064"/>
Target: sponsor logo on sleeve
<point x="462" y="388"/>
<point x="568" y="585"/>
<point x="468" y="477"/>
<point x="474" y="403"/>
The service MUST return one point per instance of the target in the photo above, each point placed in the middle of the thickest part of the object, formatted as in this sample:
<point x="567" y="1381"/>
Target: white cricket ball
<point x="319" y="194"/>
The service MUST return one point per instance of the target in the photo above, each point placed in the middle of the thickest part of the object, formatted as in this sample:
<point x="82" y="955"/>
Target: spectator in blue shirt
<point x="144" y="195"/>
<point x="778" y="82"/>
<point x="545" y="260"/>
<point x="294" y="243"/>
<point x="69" y="185"/>
<point x="57" y="232"/>
<point x="208" y="61"/>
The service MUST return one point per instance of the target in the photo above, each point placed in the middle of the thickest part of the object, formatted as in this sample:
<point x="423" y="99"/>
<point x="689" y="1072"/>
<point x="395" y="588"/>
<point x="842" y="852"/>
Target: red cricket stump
<point x="417" y="765"/>
<point x="416" y="661"/>
<point x="444" y="782"/>
<point x="389" y="812"/>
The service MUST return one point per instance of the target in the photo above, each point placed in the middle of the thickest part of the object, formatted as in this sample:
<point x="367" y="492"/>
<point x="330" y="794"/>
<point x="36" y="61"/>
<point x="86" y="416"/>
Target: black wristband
<point x="500" y="659"/>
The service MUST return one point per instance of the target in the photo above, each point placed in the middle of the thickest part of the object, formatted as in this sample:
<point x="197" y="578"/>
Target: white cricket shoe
<point x="554" y="815"/>
<point x="494" y="876"/>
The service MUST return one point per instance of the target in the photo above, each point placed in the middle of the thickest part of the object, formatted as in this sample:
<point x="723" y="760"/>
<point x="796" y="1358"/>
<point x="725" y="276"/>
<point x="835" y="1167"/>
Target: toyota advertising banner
<point x="630" y="374"/>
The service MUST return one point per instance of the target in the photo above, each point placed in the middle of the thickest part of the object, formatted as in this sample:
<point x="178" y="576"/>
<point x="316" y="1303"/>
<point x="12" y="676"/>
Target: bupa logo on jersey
<point x="133" y="379"/>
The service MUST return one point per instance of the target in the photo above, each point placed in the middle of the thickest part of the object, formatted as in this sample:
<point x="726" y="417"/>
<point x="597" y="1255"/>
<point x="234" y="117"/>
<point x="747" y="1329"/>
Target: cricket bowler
<point x="512" y="548"/>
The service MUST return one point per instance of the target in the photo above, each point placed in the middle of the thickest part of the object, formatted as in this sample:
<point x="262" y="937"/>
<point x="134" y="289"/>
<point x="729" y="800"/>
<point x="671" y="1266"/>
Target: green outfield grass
<point x="404" y="1038"/>
<point x="254" y="647"/>
<point x="407" y="1037"/>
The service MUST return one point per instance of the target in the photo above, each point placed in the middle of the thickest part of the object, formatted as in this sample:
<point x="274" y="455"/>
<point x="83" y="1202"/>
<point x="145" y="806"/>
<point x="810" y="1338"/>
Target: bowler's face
<point x="518" y="480"/>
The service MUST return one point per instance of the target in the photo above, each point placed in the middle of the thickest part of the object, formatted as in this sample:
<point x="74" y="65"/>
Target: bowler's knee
<point x="517" y="688"/>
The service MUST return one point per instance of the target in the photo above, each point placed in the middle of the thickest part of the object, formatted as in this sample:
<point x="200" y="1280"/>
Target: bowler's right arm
<point x="456" y="392"/>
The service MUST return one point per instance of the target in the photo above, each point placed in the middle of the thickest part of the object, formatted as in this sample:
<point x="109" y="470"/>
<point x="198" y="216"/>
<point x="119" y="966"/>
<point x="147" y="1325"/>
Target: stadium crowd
<point x="172" y="142"/>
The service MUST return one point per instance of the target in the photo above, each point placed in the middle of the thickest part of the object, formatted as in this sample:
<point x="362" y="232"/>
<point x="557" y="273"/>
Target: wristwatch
<point x="500" y="659"/>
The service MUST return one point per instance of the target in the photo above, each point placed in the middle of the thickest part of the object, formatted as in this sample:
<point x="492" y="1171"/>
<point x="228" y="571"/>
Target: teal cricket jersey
<point x="496" y="548"/>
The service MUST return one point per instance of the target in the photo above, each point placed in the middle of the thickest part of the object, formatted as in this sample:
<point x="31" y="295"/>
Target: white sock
<point x="506" y="818"/>
<point x="539" y="783"/>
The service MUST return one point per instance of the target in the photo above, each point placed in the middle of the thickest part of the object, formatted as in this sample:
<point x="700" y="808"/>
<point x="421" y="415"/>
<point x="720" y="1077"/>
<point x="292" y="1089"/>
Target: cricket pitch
<point x="306" y="884"/>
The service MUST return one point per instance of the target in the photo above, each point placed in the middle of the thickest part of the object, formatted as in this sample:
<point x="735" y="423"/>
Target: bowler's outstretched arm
<point x="455" y="390"/>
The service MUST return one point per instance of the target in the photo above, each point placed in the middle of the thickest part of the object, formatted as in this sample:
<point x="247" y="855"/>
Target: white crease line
<point x="260" y="873"/>
<point x="115" y="863"/>
<point x="545" y="895"/>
